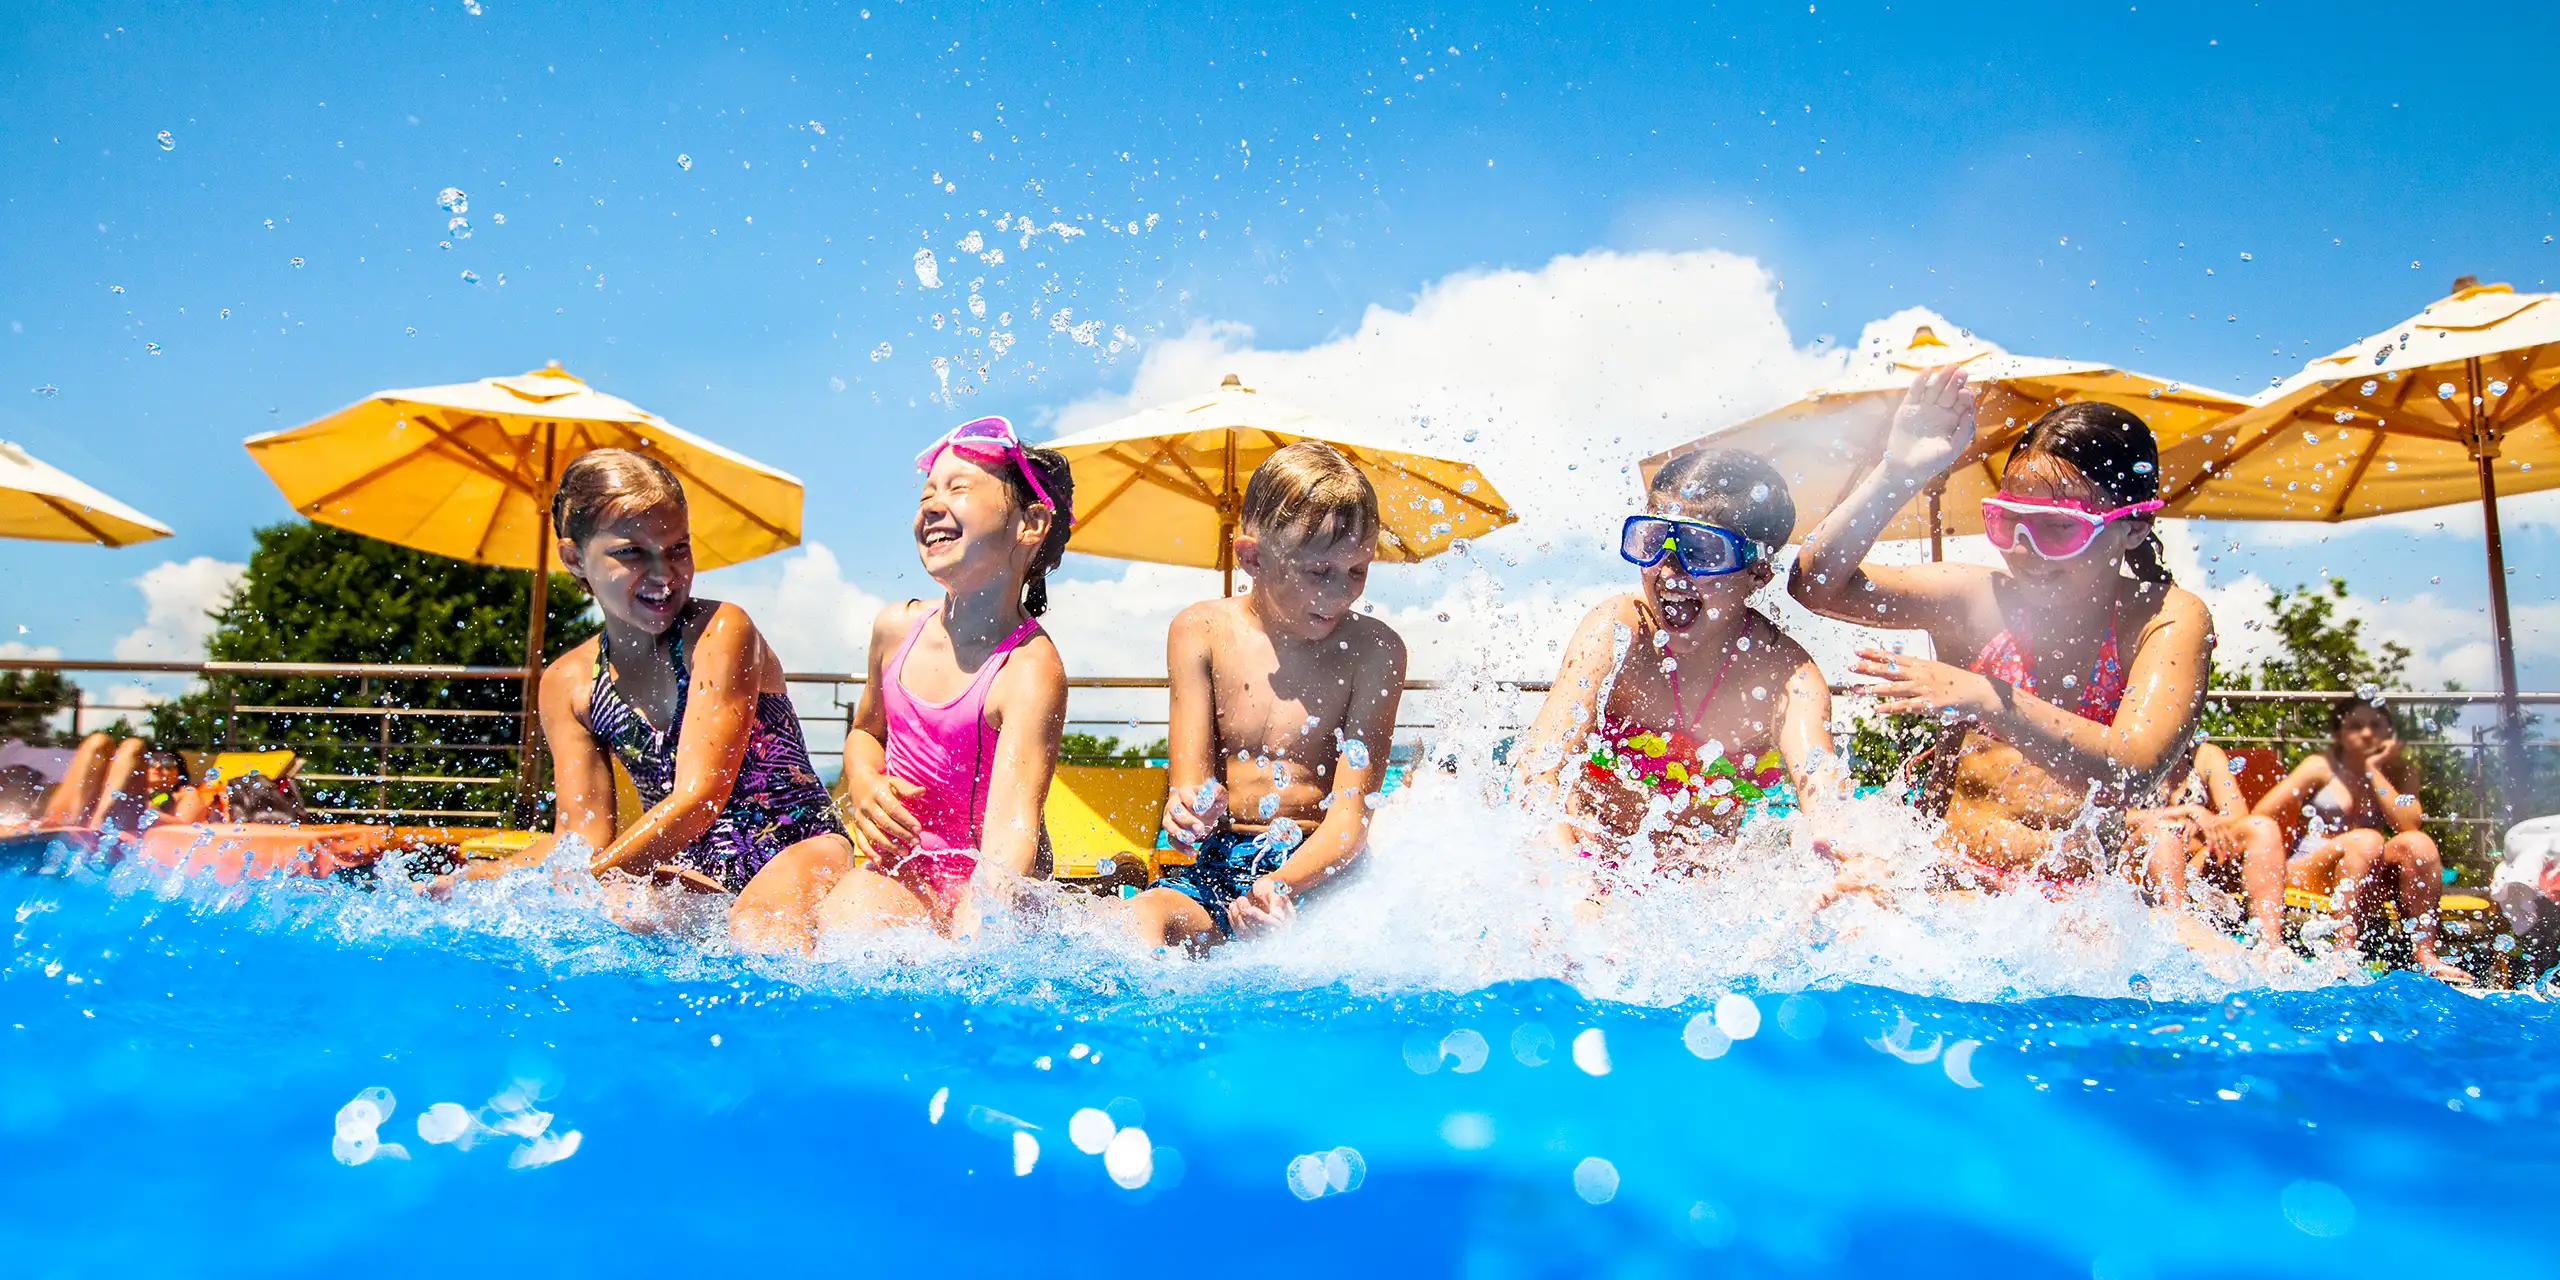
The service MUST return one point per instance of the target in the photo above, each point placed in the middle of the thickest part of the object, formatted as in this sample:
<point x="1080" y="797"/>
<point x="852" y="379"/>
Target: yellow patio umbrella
<point x="1163" y="485"/>
<point x="467" y="470"/>
<point x="2458" y="403"/>
<point x="41" y="502"/>
<point x="1826" y="441"/>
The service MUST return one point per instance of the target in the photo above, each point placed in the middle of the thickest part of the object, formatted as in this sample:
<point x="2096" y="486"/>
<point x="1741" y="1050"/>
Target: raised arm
<point x="1929" y="433"/>
<point x="1563" y="726"/>
<point x="2394" y="778"/>
<point x="1377" y="690"/>
<point x="719" y="714"/>
<point x="1029" y="699"/>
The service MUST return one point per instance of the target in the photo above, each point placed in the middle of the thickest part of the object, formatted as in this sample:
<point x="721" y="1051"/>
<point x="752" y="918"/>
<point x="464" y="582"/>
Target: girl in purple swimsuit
<point x="953" y="744"/>
<point x="688" y="697"/>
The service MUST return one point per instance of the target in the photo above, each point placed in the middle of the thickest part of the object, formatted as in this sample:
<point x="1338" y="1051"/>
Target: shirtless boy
<point x="1283" y="702"/>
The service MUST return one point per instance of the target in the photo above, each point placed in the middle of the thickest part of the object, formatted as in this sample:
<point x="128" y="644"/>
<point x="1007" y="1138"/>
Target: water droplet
<point x="152" y="347"/>
<point x="471" y="277"/>
<point x="460" y="228"/>
<point x="1355" y="753"/>
<point x="1759" y="493"/>
<point x="880" y="353"/>
<point x="2444" y="391"/>
<point x="2391" y="465"/>
<point x="1469" y="436"/>
<point x="2246" y="258"/>
<point x="817" y="128"/>
<point x="2143" y="468"/>
<point x="168" y="141"/>
<point x="2370" y="386"/>
<point x="48" y="391"/>
<point x="452" y="200"/>
<point x="684" y="161"/>
<point x="929" y="271"/>
<point x="835" y="383"/>
<point x="1595" y="1180"/>
<point x="2498" y="387"/>
<point x="2369" y="691"/>
<point x="1444" y="617"/>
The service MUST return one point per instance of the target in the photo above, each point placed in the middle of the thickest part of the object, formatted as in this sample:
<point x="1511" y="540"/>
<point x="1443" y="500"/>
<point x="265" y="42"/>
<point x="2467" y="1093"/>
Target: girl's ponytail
<point x="1059" y="480"/>
<point x="2149" y="559"/>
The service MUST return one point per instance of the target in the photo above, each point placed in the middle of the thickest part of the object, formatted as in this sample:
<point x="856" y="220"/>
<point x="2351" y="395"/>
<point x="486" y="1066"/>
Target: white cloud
<point x="21" y="649"/>
<point x="179" y="598"/>
<point x="1566" y="374"/>
<point x="809" y="613"/>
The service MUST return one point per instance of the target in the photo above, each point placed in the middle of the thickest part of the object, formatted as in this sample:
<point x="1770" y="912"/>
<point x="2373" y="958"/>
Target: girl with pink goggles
<point x="2058" y="528"/>
<point x="988" y="439"/>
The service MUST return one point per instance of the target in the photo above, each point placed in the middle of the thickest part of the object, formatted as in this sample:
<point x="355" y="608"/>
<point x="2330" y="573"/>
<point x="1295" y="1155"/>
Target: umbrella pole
<point x="1227" y="522"/>
<point x="529" y="723"/>
<point x="1937" y="526"/>
<point x="2510" y="711"/>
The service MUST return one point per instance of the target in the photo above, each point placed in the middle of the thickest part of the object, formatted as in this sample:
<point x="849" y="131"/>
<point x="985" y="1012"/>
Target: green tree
<point x="1094" y="748"/>
<point x="312" y="593"/>
<point x="28" y="701"/>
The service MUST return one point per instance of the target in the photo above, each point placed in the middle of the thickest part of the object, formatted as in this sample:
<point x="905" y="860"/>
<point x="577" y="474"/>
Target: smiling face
<point x="2042" y="477"/>
<point x="638" y="564"/>
<point x="1681" y="601"/>
<point x="969" y="530"/>
<point x="1304" y="580"/>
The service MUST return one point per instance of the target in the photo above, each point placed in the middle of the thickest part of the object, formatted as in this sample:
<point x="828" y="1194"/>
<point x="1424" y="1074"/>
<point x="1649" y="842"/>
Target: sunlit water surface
<point x="1443" y="1070"/>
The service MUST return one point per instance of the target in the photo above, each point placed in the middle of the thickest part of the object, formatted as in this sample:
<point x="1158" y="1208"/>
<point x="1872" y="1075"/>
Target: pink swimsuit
<point x="946" y="748"/>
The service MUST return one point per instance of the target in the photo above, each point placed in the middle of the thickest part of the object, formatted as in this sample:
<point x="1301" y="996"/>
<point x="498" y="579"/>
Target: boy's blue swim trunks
<point x="1228" y="864"/>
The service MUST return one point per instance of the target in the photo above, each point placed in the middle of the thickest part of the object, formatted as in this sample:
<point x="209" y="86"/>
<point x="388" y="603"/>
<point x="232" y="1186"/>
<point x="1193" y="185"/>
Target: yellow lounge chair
<point x="1103" y="813"/>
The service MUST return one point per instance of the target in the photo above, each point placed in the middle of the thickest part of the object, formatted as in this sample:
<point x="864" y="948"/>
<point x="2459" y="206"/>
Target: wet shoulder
<point x="1372" y="638"/>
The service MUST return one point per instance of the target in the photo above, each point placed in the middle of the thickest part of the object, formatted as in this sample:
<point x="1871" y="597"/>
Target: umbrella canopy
<point x="2458" y="403"/>
<point x="467" y="470"/>
<point x="1163" y="485"/>
<point x="1826" y="441"/>
<point x="38" y="501"/>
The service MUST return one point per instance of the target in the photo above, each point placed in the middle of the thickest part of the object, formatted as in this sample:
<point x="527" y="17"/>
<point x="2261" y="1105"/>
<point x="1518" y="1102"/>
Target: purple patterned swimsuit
<point x="776" y="802"/>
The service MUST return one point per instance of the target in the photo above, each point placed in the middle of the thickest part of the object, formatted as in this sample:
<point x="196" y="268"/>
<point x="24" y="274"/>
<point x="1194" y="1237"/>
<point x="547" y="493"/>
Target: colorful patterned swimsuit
<point x="1677" y="765"/>
<point x="777" y="800"/>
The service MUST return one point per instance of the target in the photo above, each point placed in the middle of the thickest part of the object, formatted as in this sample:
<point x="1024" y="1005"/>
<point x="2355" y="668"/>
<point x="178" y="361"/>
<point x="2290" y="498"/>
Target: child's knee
<point x="2415" y="847"/>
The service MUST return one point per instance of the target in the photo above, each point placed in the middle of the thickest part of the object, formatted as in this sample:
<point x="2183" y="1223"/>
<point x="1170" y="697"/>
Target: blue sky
<point x="2066" y="180"/>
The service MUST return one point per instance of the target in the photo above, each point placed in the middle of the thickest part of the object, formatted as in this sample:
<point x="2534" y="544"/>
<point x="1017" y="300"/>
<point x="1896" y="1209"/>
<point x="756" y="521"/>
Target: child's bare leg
<point x="78" y="792"/>
<point x="2163" y="845"/>
<point x="2421" y="890"/>
<point x="1169" y="918"/>
<point x="778" y="910"/>
<point x="867" y="899"/>
<point x="2359" y="851"/>
<point x="2262" y="876"/>
<point x="118" y="791"/>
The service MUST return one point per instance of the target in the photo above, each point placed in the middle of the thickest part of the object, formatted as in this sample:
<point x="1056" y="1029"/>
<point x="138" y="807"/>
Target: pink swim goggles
<point x="987" y="440"/>
<point x="2058" y="528"/>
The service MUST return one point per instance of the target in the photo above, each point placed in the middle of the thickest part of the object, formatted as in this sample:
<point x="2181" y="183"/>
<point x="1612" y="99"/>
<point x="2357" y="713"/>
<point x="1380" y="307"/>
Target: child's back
<point x="1283" y="702"/>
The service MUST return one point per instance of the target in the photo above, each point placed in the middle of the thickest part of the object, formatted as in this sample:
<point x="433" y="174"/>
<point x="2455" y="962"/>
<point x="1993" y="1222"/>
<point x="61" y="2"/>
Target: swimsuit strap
<point x="1680" y="711"/>
<point x="606" y="684"/>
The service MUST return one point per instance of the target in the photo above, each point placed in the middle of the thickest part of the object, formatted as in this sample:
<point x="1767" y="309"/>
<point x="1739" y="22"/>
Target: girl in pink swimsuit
<point x="953" y="743"/>
<point x="2089" y="664"/>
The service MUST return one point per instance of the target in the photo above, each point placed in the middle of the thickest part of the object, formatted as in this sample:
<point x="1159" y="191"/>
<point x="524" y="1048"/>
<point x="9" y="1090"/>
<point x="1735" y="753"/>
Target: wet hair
<point x="1059" y="479"/>
<point x="1733" y="489"/>
<point x="1310" y="488"/>
<point x="2113" y="450"/>
<point x="22" y="791"/>
<point x="256" y="797"/>
<point x="603" y="482"/>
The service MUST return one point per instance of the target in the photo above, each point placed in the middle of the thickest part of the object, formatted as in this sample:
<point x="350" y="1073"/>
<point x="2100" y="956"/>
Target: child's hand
<point x="1190" y="816"/>
<point x="1265" y="908"/>
<point x="1920" y="686"/>
<point x="880" y="816"/>
<point x="1934" y="422"/>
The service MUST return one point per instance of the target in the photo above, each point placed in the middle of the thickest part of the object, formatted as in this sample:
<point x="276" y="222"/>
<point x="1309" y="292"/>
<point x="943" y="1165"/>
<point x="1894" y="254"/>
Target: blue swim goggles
<point x="1705" y="550"/>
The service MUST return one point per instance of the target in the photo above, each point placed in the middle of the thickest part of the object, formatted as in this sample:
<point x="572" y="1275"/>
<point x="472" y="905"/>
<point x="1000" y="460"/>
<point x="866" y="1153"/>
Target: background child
<point x="686" y="694"/>
<point x="1679" y="699"/>
<point x="954" y="741"/>
<point x="2356" y="807"/>
<point x="2209" y="824"/>
<point x="1283" y="706"/>
<point x="128" y="784"/>
<point x="2088" y="664"/>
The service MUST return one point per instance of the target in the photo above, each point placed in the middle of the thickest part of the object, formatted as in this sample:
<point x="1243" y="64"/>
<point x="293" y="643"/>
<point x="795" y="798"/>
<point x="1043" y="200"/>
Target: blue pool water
<point x="174" y="1057"/>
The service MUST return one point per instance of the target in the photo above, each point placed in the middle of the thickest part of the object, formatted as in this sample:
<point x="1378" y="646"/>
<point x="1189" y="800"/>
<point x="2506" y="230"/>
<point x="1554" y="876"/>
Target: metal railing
<point x="826" y="700"/>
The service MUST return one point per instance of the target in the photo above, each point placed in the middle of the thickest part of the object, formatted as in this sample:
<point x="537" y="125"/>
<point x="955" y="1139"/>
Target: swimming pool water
<point x="173" y="1056"/>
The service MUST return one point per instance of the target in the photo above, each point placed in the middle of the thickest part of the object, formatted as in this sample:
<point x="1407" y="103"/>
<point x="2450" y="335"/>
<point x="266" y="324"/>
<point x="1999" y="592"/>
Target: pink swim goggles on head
<point x="987" y="440"/>
<point x="2058" y="528"/>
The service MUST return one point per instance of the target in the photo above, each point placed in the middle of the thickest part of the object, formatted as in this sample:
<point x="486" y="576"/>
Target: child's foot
<point x="2445" y="971"/>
